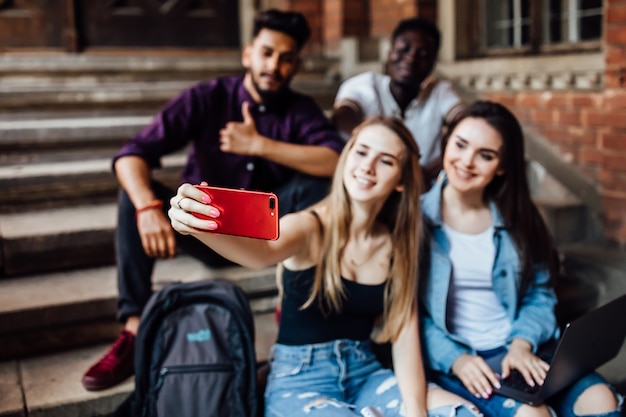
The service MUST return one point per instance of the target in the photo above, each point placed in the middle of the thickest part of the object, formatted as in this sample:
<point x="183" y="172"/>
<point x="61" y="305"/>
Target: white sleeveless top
<point x="474" y="311"/>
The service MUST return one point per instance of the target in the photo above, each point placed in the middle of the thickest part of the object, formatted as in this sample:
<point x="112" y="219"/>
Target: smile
<point x="364" y="181"/>
<point x="463" y="174"/>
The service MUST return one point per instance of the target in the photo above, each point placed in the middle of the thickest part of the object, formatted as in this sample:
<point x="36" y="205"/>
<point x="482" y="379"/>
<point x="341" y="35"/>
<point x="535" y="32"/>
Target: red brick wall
<point x="333" y="16"/>
<point x="344" y="18"/>
<point x="615" y="43"/>
<point x="313" y="11"/>
<point x="589" y="128"/>
<point x="356" y="17"/>
<point x="386" y="13"/>
<point x="331" y="20"/>
<point x="611" y="116"/>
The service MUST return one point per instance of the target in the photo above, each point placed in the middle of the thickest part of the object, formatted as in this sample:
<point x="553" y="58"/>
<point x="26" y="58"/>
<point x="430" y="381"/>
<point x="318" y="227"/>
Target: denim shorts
<point x="332" y="379"/>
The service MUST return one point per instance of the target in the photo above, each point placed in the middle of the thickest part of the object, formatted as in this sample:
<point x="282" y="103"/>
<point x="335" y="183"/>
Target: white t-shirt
<point x="474" y="311"/>
<point x="424" y="116"/>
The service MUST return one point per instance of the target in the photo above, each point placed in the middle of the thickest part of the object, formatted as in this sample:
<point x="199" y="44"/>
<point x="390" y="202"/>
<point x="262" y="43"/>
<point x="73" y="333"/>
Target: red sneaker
<point x="115" y="366"/>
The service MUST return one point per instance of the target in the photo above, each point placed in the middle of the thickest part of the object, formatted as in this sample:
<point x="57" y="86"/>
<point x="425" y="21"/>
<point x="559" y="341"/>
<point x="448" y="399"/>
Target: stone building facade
<point x="559" y="64"/>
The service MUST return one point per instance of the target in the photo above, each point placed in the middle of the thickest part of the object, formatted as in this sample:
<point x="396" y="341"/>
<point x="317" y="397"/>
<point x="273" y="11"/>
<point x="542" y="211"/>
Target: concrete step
<point x="105" y="114"/>
<point x="34" y="132"/>
<point x="49" y="385"/>
<point x="132" y="90"/>
<point x="62" y="238"/>
<point x="64" y="81"/>
<point x="61" y="153"/>
<point x="136" y="94"/>
<point x="119" y="64"/>
<point x="566" y="221"/>
<point x="600" y="272"/>
<point x="56" y="311"/>
<point x="598" y="265"/>
<point x="24" y="69"/>
<point x="565" y="215"/>
<point x="53" y="184"/>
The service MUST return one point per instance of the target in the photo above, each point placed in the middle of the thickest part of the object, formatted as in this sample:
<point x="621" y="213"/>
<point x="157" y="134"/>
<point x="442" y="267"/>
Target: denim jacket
<point x="532" y="316"/>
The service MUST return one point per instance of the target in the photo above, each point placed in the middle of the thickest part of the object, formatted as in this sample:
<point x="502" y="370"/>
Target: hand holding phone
<point x="243" y="213"/>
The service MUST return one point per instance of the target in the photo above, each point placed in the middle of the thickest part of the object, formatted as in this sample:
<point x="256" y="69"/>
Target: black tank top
<point x="362" y="305"/>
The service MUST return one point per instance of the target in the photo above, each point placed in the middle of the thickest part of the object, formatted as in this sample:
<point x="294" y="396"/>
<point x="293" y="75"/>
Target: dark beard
<point x="271" y="97"/>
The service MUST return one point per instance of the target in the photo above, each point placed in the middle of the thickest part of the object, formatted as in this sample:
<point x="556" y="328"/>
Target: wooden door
<point x="74" y="25"/>
<point x="32" y="24"/>
<point x="158" y="23"/>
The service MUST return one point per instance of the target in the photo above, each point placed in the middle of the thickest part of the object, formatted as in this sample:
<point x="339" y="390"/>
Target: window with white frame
<point x="507" y="23"/>
<point x="488" y="27"/>
<point x="572" y="21"/>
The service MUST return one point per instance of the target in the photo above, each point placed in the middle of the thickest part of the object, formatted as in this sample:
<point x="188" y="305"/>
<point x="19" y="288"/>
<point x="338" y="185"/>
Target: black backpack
<point x="195" y="353"/>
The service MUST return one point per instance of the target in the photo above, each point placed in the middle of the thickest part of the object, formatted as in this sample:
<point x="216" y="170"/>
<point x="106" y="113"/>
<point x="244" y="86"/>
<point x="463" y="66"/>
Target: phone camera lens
<point x="272" y="203"/>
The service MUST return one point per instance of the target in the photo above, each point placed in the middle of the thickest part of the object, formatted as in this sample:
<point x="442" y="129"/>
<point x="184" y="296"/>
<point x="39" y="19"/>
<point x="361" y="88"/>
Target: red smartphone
<point x="243" y="213"/>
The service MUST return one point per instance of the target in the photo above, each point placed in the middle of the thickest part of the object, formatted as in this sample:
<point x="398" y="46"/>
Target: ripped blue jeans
<point x="335" y="379"/>
<point x="561" y="405"/>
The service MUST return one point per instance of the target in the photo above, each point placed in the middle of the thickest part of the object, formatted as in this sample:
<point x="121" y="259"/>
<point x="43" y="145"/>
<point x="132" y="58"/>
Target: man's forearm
<point x="346" y="116"/>
<point x="134" y="176"/>
<point x="312" y="160"/>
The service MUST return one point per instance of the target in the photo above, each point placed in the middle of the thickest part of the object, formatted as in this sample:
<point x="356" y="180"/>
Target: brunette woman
<point x="491" y="268"/>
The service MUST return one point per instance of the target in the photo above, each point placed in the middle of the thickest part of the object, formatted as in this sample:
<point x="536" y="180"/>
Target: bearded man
<point x="246" y="131"/>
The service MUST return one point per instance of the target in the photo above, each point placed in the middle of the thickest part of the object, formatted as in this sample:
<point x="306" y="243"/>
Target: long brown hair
<point x="511" y="193"/>
<point x="400" y="214"/>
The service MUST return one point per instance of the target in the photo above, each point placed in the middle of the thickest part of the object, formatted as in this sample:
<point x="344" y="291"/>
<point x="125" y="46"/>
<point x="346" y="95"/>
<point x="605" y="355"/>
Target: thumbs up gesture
<point x="242" y="137"/>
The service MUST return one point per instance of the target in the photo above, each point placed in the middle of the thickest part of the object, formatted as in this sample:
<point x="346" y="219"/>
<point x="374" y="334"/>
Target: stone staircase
<point x="62" y="119"/>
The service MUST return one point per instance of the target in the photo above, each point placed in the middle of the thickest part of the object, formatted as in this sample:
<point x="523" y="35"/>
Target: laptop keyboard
<point x="516" y="380"/>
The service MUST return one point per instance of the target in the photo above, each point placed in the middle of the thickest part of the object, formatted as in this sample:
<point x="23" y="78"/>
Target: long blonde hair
<point x="400" y="213"/>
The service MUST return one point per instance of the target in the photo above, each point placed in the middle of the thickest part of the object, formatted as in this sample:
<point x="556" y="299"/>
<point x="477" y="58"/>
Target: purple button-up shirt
<point x="198" y="114"/>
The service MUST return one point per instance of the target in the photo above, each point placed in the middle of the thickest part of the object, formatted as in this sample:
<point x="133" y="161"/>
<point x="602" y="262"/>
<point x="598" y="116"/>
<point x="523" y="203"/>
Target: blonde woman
<point x="347" y="264"/>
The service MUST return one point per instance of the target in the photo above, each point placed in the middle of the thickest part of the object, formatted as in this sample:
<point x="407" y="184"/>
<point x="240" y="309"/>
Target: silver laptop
<point x="586" y="343"/>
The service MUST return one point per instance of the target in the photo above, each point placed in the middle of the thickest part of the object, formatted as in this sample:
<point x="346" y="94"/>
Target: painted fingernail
<point x="206" y="199"/>
<point x="214" y="213"/>
<point x="212" y="226"/>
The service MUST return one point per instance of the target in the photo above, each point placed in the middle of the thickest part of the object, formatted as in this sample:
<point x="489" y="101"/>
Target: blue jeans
<point x="561" y="405"/>
<point x="334" y="379"/>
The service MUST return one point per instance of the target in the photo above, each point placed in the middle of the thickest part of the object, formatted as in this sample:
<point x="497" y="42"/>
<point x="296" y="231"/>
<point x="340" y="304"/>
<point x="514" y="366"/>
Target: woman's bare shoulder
<point x="308" y="227"/>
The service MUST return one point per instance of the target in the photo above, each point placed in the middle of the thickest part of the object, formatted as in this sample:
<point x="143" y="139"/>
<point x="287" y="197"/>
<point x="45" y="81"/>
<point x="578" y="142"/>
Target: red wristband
<point x="152" y="205"/>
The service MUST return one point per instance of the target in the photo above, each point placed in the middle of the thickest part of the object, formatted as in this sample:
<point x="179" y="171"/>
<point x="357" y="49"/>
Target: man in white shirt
<point x="407" y="91"/>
